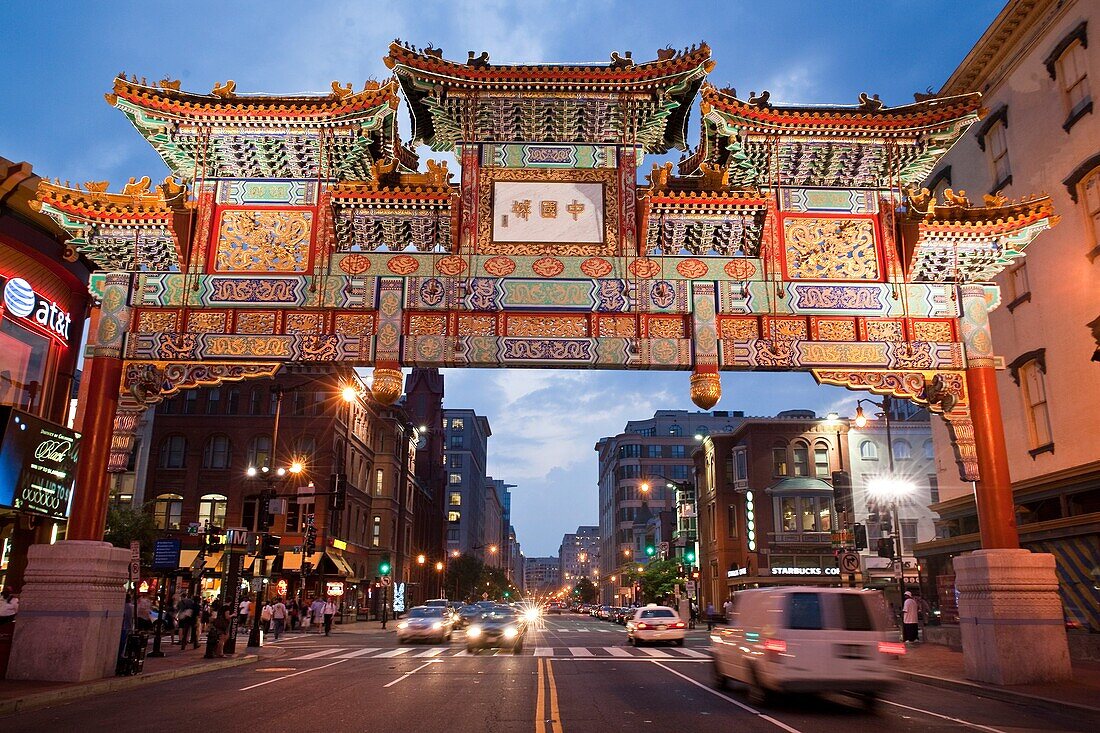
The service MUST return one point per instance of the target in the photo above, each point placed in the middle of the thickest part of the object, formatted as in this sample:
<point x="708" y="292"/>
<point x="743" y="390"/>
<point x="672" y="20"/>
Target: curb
<point x="39" y="700"/>
<point x="995" y="693"/>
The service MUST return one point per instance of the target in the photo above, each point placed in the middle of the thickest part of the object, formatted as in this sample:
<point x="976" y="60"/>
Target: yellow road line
<point x="555" y="714"/>
<point x="540" y="704"/>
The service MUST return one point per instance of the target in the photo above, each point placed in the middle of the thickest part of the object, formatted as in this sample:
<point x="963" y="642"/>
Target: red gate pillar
<point x="1010" y="607"/>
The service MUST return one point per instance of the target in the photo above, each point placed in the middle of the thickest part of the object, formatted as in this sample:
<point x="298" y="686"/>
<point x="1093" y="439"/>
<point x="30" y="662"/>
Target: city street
<point x="575" y="674"/>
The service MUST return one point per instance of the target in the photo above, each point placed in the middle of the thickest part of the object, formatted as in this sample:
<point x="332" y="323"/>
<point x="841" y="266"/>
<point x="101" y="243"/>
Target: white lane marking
<point x="692" y="653"/>
<point x="617" y="651"/>
<point x="544" y="651"/>
<point x="304" y="671"/>
<point x="433" y="652"/>
<point x="409" y="673"/>
<point x="655" y="653"/>
<point x="394" y="653"/>
<point x="739" y="704"/>
<point x="318" y="655"/>
<point x="464" y="653"/>
<point x="967" y="723"/>
<point x="579" y="651"/>
<point x="357" y="653"/>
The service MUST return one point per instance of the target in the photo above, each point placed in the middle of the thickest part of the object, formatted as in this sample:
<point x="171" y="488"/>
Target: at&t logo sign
<point x="21" y="300"/>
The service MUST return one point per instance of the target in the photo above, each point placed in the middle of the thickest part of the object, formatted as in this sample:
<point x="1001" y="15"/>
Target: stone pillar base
<point x="1010" y="616"/>
<point x="70" y="612"/>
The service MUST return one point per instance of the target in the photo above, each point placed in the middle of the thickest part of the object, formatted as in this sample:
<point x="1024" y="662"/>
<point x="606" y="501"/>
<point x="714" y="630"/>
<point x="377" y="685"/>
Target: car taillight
<point x="679" y="625"/>
<point x="775" y="645"/>
<point x="643" y="625"/>
<point x="891" y="647"/>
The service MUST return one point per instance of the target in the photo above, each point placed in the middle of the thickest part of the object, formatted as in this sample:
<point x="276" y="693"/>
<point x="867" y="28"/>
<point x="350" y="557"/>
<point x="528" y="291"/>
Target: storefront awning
<point x="188" y="559"/>
<point x="292" y="562"/>
<point x="342" y="566"/>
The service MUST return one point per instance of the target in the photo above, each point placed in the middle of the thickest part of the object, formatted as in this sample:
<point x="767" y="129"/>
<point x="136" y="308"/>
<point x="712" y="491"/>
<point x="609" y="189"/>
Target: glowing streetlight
<point x="349" y="393"/>
<point x="439" y="566"/>
<point x="493" y="549"/>
<point x="420" y="559"/>
<point x="455" y="553"/>
<point x="861" y="419"/>
<point x="644" y="488"/>
<point x="296" y="467"/>
<point x="251" y="471"/>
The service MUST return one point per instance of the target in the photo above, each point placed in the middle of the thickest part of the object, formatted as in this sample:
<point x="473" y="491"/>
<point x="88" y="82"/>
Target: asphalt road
<point x="575" y="675"/>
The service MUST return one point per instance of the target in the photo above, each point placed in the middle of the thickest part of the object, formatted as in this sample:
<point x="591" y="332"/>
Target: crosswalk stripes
<point x="574" y="652"/>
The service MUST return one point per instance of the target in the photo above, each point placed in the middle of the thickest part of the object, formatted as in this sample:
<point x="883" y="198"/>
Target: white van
<point x="807" y="639"/>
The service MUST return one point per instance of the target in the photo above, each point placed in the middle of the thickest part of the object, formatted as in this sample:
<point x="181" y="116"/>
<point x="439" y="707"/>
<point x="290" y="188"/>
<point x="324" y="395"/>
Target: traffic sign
<point x="386" y="580"/>
<point x="135" y="570"/>
<point x="689" y="589"/>
<point x="135" y="551"/>
<point x="849" y="562"/>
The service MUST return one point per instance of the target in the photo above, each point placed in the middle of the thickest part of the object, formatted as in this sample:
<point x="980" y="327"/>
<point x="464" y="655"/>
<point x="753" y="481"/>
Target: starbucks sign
<point x="37" y="464"/>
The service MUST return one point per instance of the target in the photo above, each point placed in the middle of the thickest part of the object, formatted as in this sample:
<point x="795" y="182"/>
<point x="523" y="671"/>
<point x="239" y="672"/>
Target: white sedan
<point x="426" y="622"/>
<point x="655" y="623"/>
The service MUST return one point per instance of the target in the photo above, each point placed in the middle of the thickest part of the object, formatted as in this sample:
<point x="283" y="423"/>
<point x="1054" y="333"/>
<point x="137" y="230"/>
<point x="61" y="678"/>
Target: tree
<point x="658" y="580"/>
<point x="584" y="591"/>
<point x="126" y="525"/>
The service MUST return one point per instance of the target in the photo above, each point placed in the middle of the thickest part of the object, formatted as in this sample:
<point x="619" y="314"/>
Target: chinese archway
<point x="302" y="229"/>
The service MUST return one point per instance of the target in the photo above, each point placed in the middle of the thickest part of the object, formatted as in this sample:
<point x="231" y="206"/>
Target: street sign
<point x="237" y="536"/>
<point x="663" y="548"/>
<point x="193" y="528"/>
<point x="135" y="569"/>
<point x="689" y="589"/>
<point x="135" y="551"/>
<point x="849" y="562"/>
<point x="276" y="506"/>
<point x="305" y="494"/>
<point x="166" y="554"/>
<point x="386" y="580"/>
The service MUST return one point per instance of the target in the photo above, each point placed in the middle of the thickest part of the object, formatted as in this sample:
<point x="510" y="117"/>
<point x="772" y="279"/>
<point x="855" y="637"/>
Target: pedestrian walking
<point x="317" y="613"/>
<point x="242" y="613"/>
<point x="144" y="615"/>
<point x="293" y="615"/>
<point x="694" y="615"/>
<point x="910" y="611"/>
<point x="278" y="617"/>
<point x="9" y="606"/>
<point x="265" y="618"/>
<point x="204" y="616"/>
<point x="220" y="628"/>
<point x="303" y="612"/>
<point x="187" y="615"/>
<point x="328" y="610"/>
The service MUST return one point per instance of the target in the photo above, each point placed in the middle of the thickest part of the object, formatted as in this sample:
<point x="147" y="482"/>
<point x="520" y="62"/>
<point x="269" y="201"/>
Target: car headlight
<point x="510" y="632"/>
<point x="403" y="625"/>
<point x="437" y="625"/>
<point x="531" y="614"/>
<point x="473" y="631"/>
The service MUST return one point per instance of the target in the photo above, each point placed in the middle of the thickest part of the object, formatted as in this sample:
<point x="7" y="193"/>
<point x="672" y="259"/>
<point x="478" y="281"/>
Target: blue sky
<point x="61" y="57"/>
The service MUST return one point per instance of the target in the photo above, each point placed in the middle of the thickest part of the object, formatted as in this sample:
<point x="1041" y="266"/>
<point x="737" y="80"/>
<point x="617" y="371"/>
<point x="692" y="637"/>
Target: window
<point x="630" y="451"/>
<point x="1090" y="197"/>
<point x="305" y="446"/>
<point x="173" y="451"/>
<point x="801" y="459"/>
<point x="1019" y="291"/>
<point x="216" y="453"/>
<point x="456" y="441"/>
<point x="1034" y="392"/>
<point x="997" y="142"/>
<point x="731" y="520"/>
<point x="233" y="401"/>
<point x="868" y="451"/>
<point x="455" y="478"/>
<point x="824" y="514"/>
<point x="1073" y="76"/>
<point x="804" y="611"/>
<point x="679" y="472"/>
<point x="456" y="461"/>
<point x="908" y="534"/>
<point x="167" y="511"/>
<point x="710" y="522"/>
<point x="788" y="513"/>
<point x="376" y="531"/>
<point x="456" y="498"/>
<point x="809" y="515"/>
<point x="779" y="461"/>
<point x="902" y="450"/>
<point x="821" y="461"/>
<point x="678" y="451"/>
<point x="676" y="430"/>
<point x="740" y="460"/>
<point x="854" y="613"/>
<point x="454" y="516"/>
<point x="379" y="479"/>
<point x="255" y="401"/>
<point x="929" y="450"/>
<point x="212" y="510"/>
<point x="457" y="424"/>
<point x="653" y="451"/>
<point x="249" y="513"/>
<point x="213" y="401"/>
<point x="259" y="451"/>
<point x="933" y="488"/>
<point x="190" y="402"/>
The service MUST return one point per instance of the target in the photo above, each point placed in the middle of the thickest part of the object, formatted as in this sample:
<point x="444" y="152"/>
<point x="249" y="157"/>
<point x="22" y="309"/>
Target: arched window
<point x="259" y="451"/>
<point x="305" y="446"/>
<point x="801" y="463"/>
<point x="216" y="452"/>
<point x="212" y="510"/>
<point x="173" y="451"/>
<point x="929" y="450"/>
<point x="1073" y="76"/>
<point x="902" y="450"/>
<point x="779" y="460"/>
<point x="868" y="451"/>
<point x="1034" y="391"/>
<point x="821" y="459"/>
<point x="167" y="511"/>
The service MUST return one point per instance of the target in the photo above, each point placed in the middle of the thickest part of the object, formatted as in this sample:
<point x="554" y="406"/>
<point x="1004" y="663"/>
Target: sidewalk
<point x="933" y="664"/>
<point x="19" y="695"/>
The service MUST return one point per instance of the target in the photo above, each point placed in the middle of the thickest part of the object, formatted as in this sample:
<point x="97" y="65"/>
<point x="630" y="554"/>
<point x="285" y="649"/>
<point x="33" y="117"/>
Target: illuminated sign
<point x="22" y="301"/>
<point x="735" y="573"/>
<point x="281" y="587"/>
<point x="37" y="464"/>
<point x="334" y="589"/>
<point x="805" y="571"/>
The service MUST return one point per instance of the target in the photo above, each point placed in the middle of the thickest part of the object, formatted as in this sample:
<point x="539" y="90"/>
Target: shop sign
<point x="281" y="587"/>
<point x="37" y="464"/>
<point x="166" y="554"/>
<point x="736" y="573"/>
<point x="805" y="571"/>
<point x="334" y="589"/>
<point x="22" y="301"/>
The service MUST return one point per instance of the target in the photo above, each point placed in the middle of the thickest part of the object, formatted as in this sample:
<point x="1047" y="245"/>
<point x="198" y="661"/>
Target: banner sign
<point x="21" y="300"/>
<point x="166" y="554"/>
<point x="37" y="464"/>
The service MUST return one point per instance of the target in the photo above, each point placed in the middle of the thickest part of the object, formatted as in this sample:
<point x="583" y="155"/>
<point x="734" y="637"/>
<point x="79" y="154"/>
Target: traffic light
<point x="650" y="550"/>
<point x="690" y="557"/>
<point x="680" y="571"/>
<point x="215" y="542"/>
<point x="842" y="491"/>
<point x="886" y="547"/>
<point x="338" y="491"/>
<point x="270" y="545"/>
<point x="384" y="567"/>
<point x="860" y="533"/>
<point x="507" y="594"/>
<point x="695" y="574"/>
<point x="310" y="535"/>
<point x="264" y="516"/>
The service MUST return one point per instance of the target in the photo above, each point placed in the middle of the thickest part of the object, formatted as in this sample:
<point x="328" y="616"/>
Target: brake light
<point x="643" y="625"/>
<point x="775" y="645"/>
<point x="679" y="625"/>
<point x="891" y="647"/>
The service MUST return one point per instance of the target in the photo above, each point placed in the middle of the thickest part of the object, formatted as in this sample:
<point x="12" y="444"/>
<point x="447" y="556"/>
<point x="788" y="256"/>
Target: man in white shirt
<point x="329" y="611"/>
<point x="910" y="613"/>
<point x="317" y="612"/>
<point x="278" y="617"/>
<point x="242" y="613"/>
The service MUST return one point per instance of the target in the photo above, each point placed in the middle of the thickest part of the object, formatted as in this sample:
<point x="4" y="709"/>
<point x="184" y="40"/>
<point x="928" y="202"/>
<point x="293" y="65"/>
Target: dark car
<point x="497" y="628"/>
<point x="467" y="614"/>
